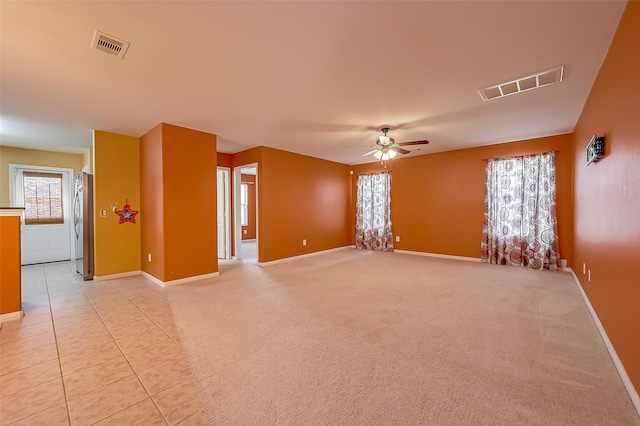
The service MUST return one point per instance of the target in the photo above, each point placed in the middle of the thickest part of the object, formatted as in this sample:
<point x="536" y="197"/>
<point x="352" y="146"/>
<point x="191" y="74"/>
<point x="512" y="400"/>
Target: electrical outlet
<point x="245" y="231"/>
<point x="397" y="238"/>
<point x="589" y="275"/>
<point x="584" y="268"/>
<point x="304" y="242"/>
<point x="149" y="257"/>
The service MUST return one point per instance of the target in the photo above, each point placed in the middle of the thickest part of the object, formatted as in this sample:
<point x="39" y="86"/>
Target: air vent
<point x="109" y="44"/>
<point x="523" y="84"/>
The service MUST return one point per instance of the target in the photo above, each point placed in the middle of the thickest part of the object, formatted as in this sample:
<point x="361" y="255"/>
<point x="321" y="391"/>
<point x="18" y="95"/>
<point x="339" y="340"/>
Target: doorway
<point x="246" y="212"/>
<point x="224" y="228"/>
<point x="45" y="192"/>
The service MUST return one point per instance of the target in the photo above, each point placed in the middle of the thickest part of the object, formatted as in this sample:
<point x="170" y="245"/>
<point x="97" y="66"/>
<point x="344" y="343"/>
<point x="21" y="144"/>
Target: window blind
<point x="42" y="198"/>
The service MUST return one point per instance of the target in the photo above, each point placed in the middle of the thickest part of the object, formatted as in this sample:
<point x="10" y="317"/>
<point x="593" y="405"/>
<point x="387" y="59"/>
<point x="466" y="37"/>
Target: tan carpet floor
<point x="370" y="338"/>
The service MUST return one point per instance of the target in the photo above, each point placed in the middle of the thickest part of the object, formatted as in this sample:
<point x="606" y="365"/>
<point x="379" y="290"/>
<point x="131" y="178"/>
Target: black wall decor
<point x="595" y="149"/>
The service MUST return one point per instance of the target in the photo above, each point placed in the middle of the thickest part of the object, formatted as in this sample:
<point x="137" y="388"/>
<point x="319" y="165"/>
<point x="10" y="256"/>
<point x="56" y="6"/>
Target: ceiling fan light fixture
<point x="386" y="147"/>
<point x="385" y="140"/>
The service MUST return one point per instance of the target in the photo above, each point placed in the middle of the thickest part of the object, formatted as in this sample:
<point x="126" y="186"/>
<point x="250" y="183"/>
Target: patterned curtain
<point x="373" y="212"/>
<point x="520" y="212"/>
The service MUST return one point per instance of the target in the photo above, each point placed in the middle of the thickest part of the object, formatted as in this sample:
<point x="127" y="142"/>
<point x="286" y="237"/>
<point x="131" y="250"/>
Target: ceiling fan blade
<point x="399" y="150"/>
<point x="413" y="143"/>
<point x="369" y="153"/>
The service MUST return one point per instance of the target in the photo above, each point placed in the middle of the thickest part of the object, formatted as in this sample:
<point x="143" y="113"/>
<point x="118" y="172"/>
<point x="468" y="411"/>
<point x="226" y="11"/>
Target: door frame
<point x="237" y="224"/>
<point x="68" y="175"/>
<point x="227" y="205"/>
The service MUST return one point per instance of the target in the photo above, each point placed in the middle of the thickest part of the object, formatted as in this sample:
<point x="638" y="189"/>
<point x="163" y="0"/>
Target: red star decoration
<point x="126" y="214"/>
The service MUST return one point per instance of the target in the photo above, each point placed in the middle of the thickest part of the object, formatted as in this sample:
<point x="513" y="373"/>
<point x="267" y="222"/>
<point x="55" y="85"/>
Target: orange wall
<point x="607" y="194"/>
<point x="225" y="160"/>
<point x="178" y="186"/>
<point x="190" y="204"/>
<point x="249" y="231"/>
<point x="152" y="239"/>
<point x="437" y="200"/>
<point x="10" y="270"/>
<point x="300" y="197"/>
<point x="116" y="180"/>
<point x="250" y="156"/>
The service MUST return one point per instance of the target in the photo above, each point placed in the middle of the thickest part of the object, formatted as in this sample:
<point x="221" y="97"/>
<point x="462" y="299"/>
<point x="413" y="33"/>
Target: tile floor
<point x="94" y="352"/>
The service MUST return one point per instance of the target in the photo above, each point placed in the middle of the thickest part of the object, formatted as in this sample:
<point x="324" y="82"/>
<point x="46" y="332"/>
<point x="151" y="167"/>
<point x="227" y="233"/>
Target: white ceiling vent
<point x="522" y="84"/>
<point x="109" y="44"/>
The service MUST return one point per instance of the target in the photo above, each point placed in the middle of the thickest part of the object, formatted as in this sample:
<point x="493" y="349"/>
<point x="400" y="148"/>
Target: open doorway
<point x="246" y="212"/>
<point x="224" y="217"/>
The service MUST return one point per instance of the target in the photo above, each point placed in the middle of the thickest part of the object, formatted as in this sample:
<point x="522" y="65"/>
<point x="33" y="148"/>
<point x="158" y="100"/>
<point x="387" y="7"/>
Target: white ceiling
<point x="309" y="77"/>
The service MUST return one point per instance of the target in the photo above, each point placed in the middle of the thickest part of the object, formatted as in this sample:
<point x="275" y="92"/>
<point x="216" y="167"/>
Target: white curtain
<point x="373" y="212"/>
<point x="520" y="225"/>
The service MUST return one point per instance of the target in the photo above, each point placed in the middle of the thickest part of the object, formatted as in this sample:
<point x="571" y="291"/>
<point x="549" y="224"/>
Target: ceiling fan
<point x="387" y="148"/>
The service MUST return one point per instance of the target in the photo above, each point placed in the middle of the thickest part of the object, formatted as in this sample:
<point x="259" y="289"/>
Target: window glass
<point x="243" y="204"/>
<point x="42" y="198"/>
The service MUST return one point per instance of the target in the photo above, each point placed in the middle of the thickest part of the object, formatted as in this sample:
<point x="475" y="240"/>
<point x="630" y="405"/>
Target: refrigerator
<point x="83" y="224"/>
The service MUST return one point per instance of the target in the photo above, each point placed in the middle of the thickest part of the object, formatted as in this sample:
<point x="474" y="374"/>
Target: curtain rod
<point x="373" y="173"/>
<point x="516" y="156"/>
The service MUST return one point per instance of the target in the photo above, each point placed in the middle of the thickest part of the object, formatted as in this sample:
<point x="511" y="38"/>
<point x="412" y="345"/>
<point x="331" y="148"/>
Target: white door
<point x="223" y="206"/>
<point x="47" y="194"/>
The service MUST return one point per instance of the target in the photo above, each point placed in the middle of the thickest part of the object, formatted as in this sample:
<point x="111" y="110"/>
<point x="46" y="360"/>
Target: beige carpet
<point x="371" y="338"/>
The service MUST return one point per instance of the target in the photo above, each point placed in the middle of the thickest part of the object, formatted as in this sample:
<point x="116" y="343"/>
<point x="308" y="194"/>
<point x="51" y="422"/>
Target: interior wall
<point x="10" y="270"/>
<point x="437" y="200"/>
<point x="87" y="160"/>
<point x="300" y="198"/>
<point x="33" y="157"/>
<point x="249" y="231"/>
<point x="607" y="194"/>
<point x="116" y="180"/>
<point x="152" y="238"/>
<point x="189" y="202"/>
<point x="224" y="160"/>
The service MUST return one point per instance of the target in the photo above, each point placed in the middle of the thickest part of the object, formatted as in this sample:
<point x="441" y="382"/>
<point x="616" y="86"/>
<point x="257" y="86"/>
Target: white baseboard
<point x="116" y="276"/>
<point x="11" y="316"/>
<point x="178" y="281"/>
<point x="631" y="390"/>
<point x="302" y="256"/>
<point x="441" y="256"/>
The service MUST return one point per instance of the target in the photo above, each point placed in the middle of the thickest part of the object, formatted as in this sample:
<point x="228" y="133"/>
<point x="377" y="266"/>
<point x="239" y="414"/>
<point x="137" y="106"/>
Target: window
<point x="42" y="198"/>
<point x="244" y="213"/>
<point x="520" y="212"/>
<point x="373" y="212"/>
